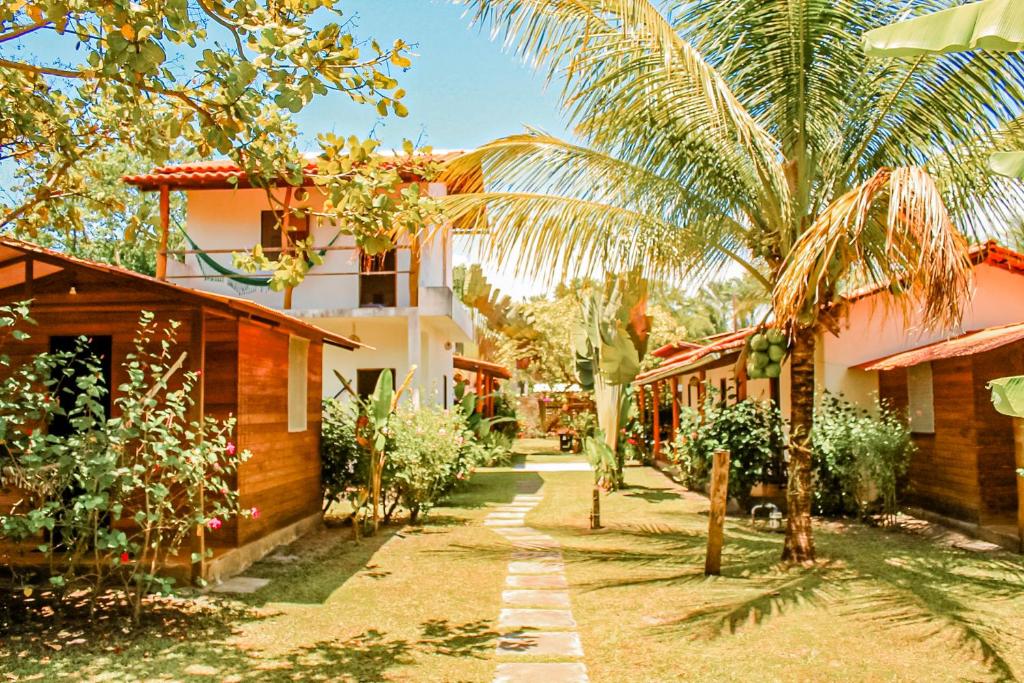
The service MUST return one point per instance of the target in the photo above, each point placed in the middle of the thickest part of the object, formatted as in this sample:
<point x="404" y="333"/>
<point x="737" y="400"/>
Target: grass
<point x="420" y="604"/>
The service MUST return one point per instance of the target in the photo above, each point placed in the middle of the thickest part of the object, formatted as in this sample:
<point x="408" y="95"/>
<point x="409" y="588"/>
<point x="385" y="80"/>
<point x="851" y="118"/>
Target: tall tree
<point x="200" y="77"/>
<point x="757" y="133"/>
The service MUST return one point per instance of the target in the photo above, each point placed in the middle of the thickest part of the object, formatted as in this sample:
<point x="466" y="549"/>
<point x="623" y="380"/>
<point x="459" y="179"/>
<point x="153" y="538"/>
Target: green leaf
<point x="1008" y="395"/>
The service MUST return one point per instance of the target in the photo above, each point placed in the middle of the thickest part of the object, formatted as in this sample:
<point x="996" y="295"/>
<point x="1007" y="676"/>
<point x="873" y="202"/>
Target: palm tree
<point x="753" y="132"/>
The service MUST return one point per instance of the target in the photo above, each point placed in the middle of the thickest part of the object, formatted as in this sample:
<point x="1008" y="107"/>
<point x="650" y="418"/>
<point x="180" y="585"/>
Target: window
<point x="378" y="282"/>
<point x="298" y="378"/>
<point x="366" y="380"/>
<point x="270" y="230"/>
<point x="920" y="399"/>
<point x="92" y="350"/>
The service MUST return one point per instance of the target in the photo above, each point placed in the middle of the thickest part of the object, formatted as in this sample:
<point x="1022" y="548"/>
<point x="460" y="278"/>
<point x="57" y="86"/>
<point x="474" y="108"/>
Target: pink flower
<point x="231" y="448"/>
<point x="214" y="524"/>
<point x="125" y="558"/>
<point x="255" y="512"/>
<point x="631" y="442"/>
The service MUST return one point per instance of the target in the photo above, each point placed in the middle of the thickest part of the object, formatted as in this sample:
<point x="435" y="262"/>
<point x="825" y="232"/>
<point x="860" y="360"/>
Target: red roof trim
<point x="240" y="307"/>
<point x="990" y="253"/>
<point x="681" y="362"/>
<point x="219" y="174"/>
<point x="969" y="344"/>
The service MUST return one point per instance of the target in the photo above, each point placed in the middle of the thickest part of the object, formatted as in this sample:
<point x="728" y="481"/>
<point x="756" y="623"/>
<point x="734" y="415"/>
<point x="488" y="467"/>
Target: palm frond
<point x="627" y="71"/>
<point x="891" y="230"/>
<point x="551" y="237"/>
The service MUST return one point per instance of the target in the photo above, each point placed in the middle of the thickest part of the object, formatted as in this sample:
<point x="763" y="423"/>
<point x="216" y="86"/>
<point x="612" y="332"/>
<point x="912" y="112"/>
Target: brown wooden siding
<point x="282" y="478"/>
<point x="996" y="469"/>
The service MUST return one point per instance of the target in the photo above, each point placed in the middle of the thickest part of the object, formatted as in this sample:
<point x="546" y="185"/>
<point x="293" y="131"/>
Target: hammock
<point x="241" y="283"/>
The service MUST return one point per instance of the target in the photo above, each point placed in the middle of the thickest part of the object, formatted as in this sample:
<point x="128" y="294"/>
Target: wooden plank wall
<point x="221" y="400"/>
<point x="997" y="477"/>
<point x="283" y="477"/>
<point x="943" y="472"/>
<point x="100" y="306"/>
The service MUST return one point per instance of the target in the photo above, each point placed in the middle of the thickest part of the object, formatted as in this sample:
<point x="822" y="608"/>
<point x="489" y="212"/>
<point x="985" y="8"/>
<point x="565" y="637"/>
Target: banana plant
<point x="478" y="424"/>
<point x="1008" y="399"/>
<point x="610" y="343"/>
<point x="375" y="413"/>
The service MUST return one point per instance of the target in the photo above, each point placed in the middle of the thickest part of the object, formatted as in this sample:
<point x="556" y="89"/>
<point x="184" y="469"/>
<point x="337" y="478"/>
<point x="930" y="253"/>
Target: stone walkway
<point x="539" y="641"/>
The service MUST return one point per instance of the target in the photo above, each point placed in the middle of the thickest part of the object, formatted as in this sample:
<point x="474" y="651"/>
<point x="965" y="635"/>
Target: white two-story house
<point x="400" y="305"/>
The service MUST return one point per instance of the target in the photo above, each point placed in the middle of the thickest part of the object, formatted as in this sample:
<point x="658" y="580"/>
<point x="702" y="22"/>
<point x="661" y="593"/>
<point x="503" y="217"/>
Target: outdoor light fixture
<point x="773" y="519"/>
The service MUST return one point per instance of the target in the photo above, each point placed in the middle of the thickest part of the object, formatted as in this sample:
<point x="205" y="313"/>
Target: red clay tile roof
<point x="967" y="344"/>
<point x="989" y="253"/>
<point x="477" y="365"/>
<point x="222" y="174"/>
<point x="681" y="362"/>
<point x="11" y="250"/>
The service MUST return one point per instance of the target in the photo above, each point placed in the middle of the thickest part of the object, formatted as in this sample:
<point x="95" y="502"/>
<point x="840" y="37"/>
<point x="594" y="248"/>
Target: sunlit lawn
<point x="421" y="604"/>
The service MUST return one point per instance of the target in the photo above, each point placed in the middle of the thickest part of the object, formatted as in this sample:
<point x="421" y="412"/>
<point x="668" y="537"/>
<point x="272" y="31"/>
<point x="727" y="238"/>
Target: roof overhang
<point x="20" y="260"/>
<point x="969" y="344"/>
<point x="481" y="367"/>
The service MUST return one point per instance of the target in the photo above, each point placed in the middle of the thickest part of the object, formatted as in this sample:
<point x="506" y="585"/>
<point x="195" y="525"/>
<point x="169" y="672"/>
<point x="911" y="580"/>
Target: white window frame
<point x="921" y="399"/>
<point x="298" y="384"/>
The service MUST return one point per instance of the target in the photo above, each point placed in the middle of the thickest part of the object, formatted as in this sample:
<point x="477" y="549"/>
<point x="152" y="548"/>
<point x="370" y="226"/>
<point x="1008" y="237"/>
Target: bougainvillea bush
<point x="117" y="500"/>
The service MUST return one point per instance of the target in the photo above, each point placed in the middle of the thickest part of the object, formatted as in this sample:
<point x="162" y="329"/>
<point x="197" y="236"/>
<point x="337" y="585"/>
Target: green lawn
<point x="421" y="604"/>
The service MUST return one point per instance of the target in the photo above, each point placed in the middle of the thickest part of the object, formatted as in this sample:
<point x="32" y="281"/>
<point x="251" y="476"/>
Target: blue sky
<point x="463" y="88"/>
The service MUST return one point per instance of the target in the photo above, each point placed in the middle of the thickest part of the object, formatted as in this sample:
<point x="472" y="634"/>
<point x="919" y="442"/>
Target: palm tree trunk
<point x="799" y="546"/>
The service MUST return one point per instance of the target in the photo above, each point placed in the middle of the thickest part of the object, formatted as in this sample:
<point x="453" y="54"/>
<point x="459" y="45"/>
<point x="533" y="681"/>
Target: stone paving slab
<point x="240" y="584"/>
<point x="536" y="598"/>
<point x="514" y="508"/>
<point x="538" y="554"/>
<point x="507" y="515"/>
<point x="521" y="531"/>
<point x="527" y="498"/>
<point x="519" y="618"/>
<point x="562" y="672"/>
<point x="536" y="581"/>
<point x="528" y="542"/>
<point x="535" y="567"/>
<point x="503" y="522"/>
<point x="540" y="643"/>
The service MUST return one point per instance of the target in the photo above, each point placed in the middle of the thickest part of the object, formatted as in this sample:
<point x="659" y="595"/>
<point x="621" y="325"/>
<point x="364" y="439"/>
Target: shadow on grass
<point x="487" y="488"/>
<point x="650" y="494"/>
<point x="313" y="578"/>
<point x="186" y="640"/>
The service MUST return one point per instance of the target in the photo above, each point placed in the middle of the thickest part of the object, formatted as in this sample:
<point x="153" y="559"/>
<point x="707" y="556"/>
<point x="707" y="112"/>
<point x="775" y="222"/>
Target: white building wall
<point x="872" y="331"/>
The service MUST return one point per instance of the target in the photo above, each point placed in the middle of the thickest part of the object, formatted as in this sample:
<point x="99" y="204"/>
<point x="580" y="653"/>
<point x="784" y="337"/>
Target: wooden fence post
<point x="716" y="518"/>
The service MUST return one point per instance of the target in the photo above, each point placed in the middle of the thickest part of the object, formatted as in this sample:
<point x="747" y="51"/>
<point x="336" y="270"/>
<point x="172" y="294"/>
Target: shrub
<point x="114" y="500"/>
<point x="429" y="450"/>
<point x="425" y="457"/>
<point x="860" y="458"/>
<point x="344" y="466"/>
<point x="750" y="430"/>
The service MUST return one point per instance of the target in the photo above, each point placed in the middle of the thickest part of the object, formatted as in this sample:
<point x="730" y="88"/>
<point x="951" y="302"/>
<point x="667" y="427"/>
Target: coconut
<point x="754" y="372"/>
<point x="776" y="353"/>
<point x="760" y="359"/>
<point x="776" y="336"/>
<point x="758" y="342"/>
<point x="772" y="370"/>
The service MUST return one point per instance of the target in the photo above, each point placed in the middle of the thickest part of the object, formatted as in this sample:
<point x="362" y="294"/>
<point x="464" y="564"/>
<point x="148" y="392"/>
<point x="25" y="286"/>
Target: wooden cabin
<point x="964" y="467"/>
<point x="965" y="464"/>
<point x="257" y="364"/>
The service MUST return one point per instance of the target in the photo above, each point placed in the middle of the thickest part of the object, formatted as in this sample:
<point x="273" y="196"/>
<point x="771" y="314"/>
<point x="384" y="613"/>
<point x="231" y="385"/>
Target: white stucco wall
<point x="872" y="331"/>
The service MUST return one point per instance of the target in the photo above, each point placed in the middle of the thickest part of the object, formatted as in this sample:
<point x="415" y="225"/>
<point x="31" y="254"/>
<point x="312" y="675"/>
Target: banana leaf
<point x="994" y="25"/>
<point x="1010" y="164"/>
<point x="1008" y="395"/>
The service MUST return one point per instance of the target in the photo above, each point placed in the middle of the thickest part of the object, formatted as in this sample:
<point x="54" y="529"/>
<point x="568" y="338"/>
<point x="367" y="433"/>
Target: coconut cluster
<point x="765" y="352"/>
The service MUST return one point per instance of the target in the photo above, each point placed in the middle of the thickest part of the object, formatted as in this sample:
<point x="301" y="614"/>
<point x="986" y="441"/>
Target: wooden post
<point x="595" y="509"/>
<point x="479" y="392"/>
<point x="642" y="408"/>
<point x="165" y="228"/>
<point x="716" y="518"/>
<point x="656" y="410"/>
<point x="674" y="386"/>
<point x="286" y="239"/>
<point x="414" y="270"/>
<point x="197" y="361"/>
<point x="1018" y="449"/>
